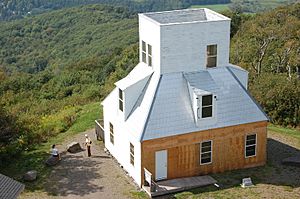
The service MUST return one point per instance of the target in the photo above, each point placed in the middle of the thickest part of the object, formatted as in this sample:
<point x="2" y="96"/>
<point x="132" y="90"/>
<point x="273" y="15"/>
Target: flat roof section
<point x="185" y="16"/>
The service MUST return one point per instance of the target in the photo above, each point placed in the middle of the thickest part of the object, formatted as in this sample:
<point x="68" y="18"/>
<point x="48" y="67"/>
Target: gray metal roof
<point x="178" y="16"/>
<point x="10" y="188"/>
<point x="172" y="112"/>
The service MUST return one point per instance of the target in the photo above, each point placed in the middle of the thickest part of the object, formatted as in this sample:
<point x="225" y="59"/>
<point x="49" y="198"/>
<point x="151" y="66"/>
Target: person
<point x="54" y="152"/>
<point x="88" y="144"/>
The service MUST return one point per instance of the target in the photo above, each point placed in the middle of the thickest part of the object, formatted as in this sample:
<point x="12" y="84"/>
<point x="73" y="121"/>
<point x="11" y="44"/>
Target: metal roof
<point x="172" y="112"/>
<point x="10" y="188"/>
<point x="164" y="107"/>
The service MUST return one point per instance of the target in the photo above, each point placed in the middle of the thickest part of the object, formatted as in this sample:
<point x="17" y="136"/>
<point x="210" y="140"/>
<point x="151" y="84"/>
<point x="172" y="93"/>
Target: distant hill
<point x="65" y="37"/>
<point x="16" y="9"/>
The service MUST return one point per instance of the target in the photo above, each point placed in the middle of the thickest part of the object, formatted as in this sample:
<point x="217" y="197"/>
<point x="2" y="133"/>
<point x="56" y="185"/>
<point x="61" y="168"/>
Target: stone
<point x="51" y="161"/>
<point x="30" y="176"/>
<point x="292" y="161"/>
<point x="74" y="147"/>
<point x="246" y="182"/>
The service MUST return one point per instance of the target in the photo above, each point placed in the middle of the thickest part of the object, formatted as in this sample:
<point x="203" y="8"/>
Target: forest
<point x="16" y="9"/>
<point x="53" y="64"/>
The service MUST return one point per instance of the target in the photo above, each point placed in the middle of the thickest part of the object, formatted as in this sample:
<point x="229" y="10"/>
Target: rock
<point x="74" y="147"/>
<point x="30" y="176"/>
<point x="246" y="182"/>
<point x="292" y="161"/>
<point x="51" y="161"/>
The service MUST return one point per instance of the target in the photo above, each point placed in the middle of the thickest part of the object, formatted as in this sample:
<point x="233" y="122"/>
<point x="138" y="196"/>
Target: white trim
<point x="250" y="145"/>
<point x="211" y="151"/>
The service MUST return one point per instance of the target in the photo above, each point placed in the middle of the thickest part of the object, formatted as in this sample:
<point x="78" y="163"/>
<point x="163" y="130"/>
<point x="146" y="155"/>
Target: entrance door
<point x="161" y="164"/>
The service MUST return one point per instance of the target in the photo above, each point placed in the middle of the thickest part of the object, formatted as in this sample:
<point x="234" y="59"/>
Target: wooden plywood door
<point x="161" y="164"/>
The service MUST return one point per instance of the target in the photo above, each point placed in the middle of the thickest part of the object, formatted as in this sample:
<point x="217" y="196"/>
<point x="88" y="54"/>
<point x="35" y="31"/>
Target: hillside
<point x="16" y="9"/>
<point x="53" y="64"/>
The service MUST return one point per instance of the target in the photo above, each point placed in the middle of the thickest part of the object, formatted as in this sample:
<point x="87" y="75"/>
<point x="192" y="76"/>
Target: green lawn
<point x="285" y="131"/>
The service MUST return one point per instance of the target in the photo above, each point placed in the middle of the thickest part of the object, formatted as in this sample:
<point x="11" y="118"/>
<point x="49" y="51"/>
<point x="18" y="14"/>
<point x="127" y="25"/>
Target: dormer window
<point x="121" y="100"/>
<point x="146" y="53"/>
<point x="207" y="106"/>
<point x="211" y="56"/>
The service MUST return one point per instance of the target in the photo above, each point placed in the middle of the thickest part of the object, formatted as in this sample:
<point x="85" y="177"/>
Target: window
<point x="144" y="52"/>
<point x="121" y="100"/>
<point x="149" y="55"/>
<point x="111" y="132"/>
<point x="131" y="154"/>
<point x="211" y="56"/>
<point x="207" y="106"/>
<point x="206" y="152"/>
<point x="250" y="145"/>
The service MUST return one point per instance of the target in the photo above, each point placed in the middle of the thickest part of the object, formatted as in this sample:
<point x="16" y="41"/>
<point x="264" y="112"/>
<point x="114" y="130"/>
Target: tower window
<point x="144" y="53"/>
<point x="149" y="55"/>
<point x="211" y="56"/>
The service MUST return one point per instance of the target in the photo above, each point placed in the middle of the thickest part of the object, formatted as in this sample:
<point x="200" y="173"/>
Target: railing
<point x="99" y="129"/>
<point x="148" y="181"/>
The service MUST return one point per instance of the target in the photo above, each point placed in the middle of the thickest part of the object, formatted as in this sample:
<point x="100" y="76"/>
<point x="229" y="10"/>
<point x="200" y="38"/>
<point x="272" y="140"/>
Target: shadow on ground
<point x="274" y="172"/>
<point x="74" y="177"/>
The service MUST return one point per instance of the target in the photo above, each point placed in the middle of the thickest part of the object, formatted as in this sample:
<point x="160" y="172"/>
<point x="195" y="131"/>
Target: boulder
<point x="51" y="161"/>
<point x="246" y="182"/>
<point x="74" y="147"/>
<point x="292" y="161"/>
<point x="30" y="176"/>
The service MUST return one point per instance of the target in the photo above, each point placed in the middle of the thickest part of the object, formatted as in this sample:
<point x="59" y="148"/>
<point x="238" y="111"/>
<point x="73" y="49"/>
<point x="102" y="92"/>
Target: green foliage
<point x="13" y="136"/>
<point x="16" y="9"/>
<point x="267" y="45"/>
<point x="49" y="96"/>
<point x="279" y="96"/>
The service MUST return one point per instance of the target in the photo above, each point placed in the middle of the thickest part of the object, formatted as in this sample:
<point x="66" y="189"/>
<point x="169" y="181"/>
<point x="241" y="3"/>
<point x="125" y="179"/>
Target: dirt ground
<point x="80" y="176"/>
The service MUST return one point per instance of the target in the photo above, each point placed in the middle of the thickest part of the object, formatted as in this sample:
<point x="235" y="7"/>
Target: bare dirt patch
<point x="80" y="176"/>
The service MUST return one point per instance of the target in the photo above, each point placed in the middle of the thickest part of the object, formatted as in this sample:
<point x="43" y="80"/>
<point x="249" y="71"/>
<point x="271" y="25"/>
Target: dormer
<point x="130" y="88"/>
<point x="184" y="40"/>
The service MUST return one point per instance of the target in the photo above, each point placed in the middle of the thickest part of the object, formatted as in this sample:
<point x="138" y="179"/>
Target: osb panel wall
<point x="228" y="150"/>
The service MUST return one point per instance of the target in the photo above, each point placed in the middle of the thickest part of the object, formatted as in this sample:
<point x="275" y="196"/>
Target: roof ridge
<point x="150" y="110"/>
<point x="140" y="96"/>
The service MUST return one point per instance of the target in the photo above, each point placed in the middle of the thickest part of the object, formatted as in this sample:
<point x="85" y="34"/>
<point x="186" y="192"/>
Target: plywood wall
<point x="228" y="151"/>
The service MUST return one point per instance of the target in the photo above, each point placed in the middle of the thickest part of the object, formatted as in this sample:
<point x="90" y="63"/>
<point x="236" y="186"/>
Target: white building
<point x="184" y="105"/>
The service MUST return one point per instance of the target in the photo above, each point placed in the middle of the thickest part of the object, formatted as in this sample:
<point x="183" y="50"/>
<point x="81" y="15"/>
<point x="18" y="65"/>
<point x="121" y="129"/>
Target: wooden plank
<point x="228" y="150"/>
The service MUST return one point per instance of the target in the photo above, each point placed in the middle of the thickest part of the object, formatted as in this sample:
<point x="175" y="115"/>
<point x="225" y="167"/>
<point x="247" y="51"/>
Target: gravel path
<point x="79" y="176"/>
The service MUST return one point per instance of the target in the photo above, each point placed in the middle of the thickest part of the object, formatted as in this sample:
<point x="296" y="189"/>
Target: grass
<point x="285" y="131"/>
<point x="34" y="159"/>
